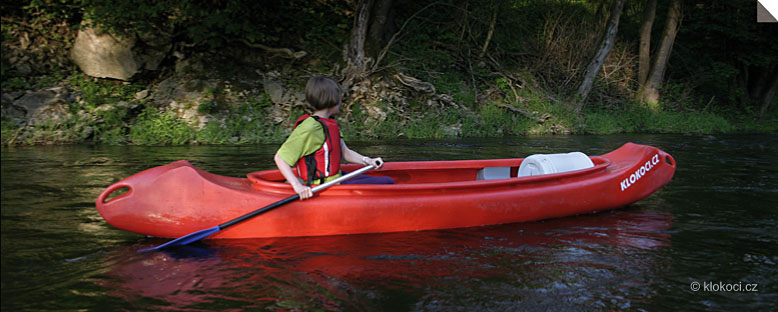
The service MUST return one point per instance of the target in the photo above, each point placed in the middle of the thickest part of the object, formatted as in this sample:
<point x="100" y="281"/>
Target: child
<point x="315" y="147"/>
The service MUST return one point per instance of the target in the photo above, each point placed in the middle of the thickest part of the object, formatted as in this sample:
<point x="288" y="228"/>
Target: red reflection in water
<point x="356" y="271"/>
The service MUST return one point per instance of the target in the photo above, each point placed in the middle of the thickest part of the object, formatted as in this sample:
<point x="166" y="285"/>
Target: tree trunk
<point x="380" y="24"/>
<point x="649" y="13"/>
<point x="489" y="34"/>
<point x="606" y="44"/>
<point x="768" y="96"/>
<point x="650" y="91"/>
<point x="355" y="51"/>
<point x="759" y="79"/>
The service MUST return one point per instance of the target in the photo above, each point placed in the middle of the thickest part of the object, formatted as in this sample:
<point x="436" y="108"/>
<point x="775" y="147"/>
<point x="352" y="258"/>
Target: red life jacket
<point x="325" y="161"/>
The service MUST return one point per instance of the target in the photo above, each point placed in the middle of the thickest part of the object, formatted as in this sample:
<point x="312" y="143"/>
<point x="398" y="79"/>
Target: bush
<point x="111" y="128"/>
<point x="154" y="128"/>
<point x="9" y="129"/>
<point x="644" y="120"/>
<point x="249" y="124"/>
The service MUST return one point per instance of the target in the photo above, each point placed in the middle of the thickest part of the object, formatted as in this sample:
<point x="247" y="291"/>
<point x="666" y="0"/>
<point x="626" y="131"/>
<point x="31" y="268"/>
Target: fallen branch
<point x="284" y="52"/>
<point x="415" y="84"/>
<point x="524" y="113"/>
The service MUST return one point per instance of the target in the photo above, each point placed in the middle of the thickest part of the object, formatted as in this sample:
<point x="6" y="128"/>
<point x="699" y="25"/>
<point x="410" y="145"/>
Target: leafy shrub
<point x="207" y="107"/>
<point x="211" y="23"/>
<point x="111" y="128"/>
<point x="154" y="128"/>
<point x="247" y="125"/>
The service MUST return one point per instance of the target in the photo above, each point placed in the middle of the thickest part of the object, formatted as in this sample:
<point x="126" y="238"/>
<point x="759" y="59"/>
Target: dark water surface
<point x="715" y="224"/>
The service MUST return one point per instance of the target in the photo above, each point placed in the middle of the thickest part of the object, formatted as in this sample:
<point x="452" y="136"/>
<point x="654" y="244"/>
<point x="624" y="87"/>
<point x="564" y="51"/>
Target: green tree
<point x="730" y="60"/>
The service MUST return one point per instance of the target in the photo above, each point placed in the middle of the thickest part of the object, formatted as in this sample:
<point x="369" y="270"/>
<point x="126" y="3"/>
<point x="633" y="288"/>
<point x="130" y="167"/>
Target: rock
<point x="203" y="121"/>
<point x="375" y="113"/>
<point x="125" y="104"/>
<point x="190" y="115"/>
<point x="451" y="130"/>
<point x="176" y="89"/>
<point x="104" y="107"/>
<point x="142" y="95"/>
<point x="10" y="110"/>
<point x="104" y="55"/>
<point x="294" y="98"/>
<point x="189" y="65"/>
<point x="280" y="95"/>
<point x="163" y="91"/>
<point x="13" y="95"/>
<point x="23" y="68"/>
<point x="277" y="114"/>
<point x="32" y="103"/>
<point x="275" y="90"/>
<point x="7" y="99"/>
<point x="49" y="114"/>
<point x="156" y="47"/>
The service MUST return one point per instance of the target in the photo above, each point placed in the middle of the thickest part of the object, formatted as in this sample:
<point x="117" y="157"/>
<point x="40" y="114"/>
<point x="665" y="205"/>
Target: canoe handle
<point x="670" y="161"/>
<point x="123" y="190"/>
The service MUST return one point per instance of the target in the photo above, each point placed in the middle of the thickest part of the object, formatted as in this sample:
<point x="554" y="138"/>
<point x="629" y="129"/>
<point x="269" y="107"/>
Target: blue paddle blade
<point x="184" y="240"/>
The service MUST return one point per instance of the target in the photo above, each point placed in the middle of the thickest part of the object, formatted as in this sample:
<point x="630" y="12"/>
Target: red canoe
<point x="177" y="199"/>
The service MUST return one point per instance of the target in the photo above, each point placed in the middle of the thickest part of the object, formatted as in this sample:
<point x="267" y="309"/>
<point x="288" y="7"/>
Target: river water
<point x="714" y="225"/>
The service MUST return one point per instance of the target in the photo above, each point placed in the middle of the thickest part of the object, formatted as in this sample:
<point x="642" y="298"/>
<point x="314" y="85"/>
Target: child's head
<point x="322" y="93"/>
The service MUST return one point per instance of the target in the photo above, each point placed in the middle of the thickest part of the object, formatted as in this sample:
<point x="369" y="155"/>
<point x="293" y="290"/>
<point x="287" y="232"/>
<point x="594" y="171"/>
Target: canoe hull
<point x="178" y="199"/>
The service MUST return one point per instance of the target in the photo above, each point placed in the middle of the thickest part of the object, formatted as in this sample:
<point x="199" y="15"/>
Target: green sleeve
<point x="307" y="138"/>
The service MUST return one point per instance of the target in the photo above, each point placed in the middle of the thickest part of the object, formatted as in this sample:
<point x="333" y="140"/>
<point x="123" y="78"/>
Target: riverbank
<point x="171" y="81"/>
<point x="229" y="108"/>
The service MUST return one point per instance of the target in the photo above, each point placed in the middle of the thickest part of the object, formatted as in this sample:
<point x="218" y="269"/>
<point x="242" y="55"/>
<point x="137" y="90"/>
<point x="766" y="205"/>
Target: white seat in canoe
<point x="554" y="163"/>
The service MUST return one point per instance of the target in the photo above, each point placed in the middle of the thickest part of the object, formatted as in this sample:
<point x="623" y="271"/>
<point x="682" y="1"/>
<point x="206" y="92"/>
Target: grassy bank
<point x="509" y="69"/>
<point x="107" y="112"/>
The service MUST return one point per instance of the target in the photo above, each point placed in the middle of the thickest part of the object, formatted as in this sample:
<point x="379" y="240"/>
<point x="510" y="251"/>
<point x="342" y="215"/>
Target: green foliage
<point x="16" y="83"/>
<point x="53" y="9"/>
<point x="111" y="129"/>
<point x="722" y="51"/>
<point x="95" y="92"/>
<point x="214" y="23"/>
<point x="249" y="124"/>
<point x="207" y="107"/>
<point x="8" y="129"/>
<point x="155" y="128"/>
<point x="643" y="120"/>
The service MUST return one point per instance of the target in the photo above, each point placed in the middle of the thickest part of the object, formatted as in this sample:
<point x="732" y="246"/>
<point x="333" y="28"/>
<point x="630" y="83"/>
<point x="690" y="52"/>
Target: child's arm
<point x="357" y="158"/>
<point x="304" y="191"/>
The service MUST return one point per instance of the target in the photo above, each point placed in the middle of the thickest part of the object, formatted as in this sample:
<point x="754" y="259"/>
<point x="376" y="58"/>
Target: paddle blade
<point x="187" y="239"/>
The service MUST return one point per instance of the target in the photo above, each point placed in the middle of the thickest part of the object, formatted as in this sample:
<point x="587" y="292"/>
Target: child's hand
<point x="305" y="192"/>
<point x="376" y="162"/>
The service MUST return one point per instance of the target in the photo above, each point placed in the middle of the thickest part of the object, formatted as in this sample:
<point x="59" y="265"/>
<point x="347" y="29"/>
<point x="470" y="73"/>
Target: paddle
<point x="196" y="236"/>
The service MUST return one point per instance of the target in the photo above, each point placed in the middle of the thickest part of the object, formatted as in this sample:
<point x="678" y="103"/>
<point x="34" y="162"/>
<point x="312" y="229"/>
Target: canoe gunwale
<point x="266" y="180"/>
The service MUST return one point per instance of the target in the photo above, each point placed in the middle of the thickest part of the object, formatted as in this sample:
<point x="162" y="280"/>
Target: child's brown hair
<point x="322" y="92"/>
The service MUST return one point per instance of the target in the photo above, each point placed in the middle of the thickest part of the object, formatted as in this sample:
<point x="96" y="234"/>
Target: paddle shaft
<point x="293" y="198"/>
